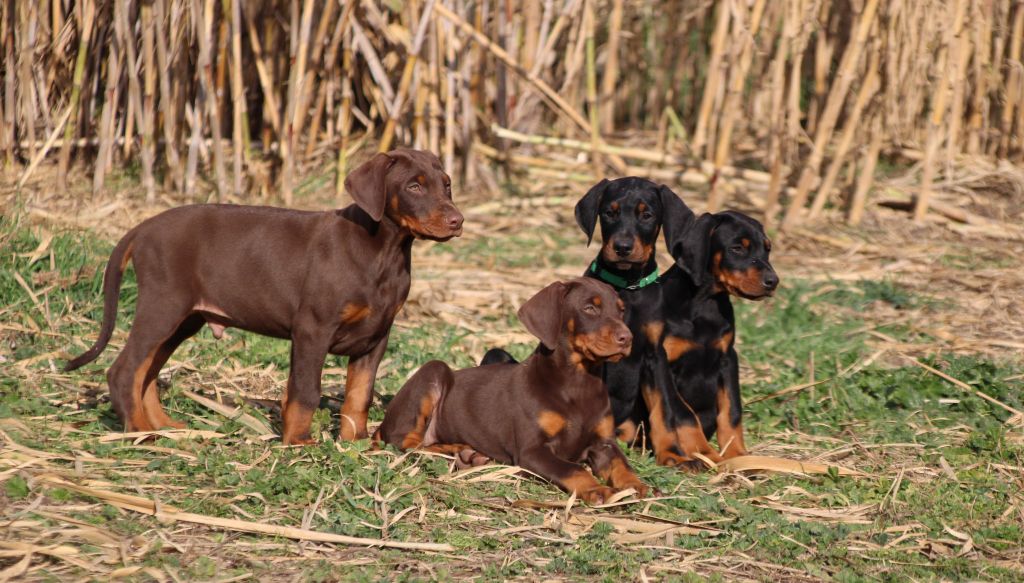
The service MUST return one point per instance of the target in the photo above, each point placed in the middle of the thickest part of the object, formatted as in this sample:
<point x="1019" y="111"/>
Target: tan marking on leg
<point x="586" y="487"/>
<point x="294" y="418"/>
<point x="723" y="343"/>
<point x="605" y="427"/>
<point x="653" y="330"/>
<point x="155" y="410"/>
<point x="620" y="476"/>
<point x="465" y="455"/>
<point x="663" y="439"/>
<point x="414" y="438"/>
<point x="358" y="389"/>
<point x="296" y="421"/>
<point x="730" y="437"/>
<point x="691" y="440"/>
<point x="551" y="423"/>
<point x="446" y="448"/>
<point x="676" y="347"/>
<point x="137" y="419"/>
<point x="354" y="312"/>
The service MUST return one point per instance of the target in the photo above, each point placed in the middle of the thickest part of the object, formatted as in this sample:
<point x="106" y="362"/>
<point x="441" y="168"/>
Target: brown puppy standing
<point x="547" y="414"/>
<point x="331" y="282"/>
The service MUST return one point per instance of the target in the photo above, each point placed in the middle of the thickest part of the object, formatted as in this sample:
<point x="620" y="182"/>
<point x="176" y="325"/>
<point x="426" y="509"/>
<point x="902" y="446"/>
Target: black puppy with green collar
<point x="632" y="212"/>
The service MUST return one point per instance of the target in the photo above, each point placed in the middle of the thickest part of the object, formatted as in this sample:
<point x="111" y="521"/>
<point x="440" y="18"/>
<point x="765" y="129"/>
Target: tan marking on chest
<point x="676" y="347"/>
<point x="354" y="312"/>
<point x="653" y="330"/>
<point x="551" y="423"/>
<point x="723" y="343"/>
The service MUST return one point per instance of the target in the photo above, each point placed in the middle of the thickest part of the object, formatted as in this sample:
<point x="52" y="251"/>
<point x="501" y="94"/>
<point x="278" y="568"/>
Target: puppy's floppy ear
<point x="676" y="218"/>
<point x="542" y="314"/>
<point x="366" y="185"/>
<point x="588" y="207"/>
<point x="692" y="249"/>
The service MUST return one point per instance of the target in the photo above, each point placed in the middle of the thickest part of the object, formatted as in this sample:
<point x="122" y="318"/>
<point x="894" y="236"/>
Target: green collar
<point x="620" y="282"/>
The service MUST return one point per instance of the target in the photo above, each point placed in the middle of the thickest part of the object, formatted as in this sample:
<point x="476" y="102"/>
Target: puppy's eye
<point x="646" y="215"/>
<point x="590" y="309"/>
<point x="414" y="187"/>
<point x="737" y="249"/>
<point x="611" y="213"/>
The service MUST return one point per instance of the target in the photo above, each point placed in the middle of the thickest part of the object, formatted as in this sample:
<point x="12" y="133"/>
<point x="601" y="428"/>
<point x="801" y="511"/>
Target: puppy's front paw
<point x="686" y="464"/>
<point x="642" y="489"/>
<point x="596" y="495"/>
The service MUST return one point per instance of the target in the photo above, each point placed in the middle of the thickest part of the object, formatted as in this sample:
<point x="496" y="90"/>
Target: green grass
<point x="900" y="425"/>
<point x="537" y="249"/>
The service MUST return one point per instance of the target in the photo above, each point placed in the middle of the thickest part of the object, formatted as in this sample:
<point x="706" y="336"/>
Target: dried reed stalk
<point x="867" y="90"/>
<point x="731" y="110"/>
<point x="715" y="74"/>
<point x="836" y="98"/>
<point x="867" y="172"/>
<point x="936" y="127"/>
<point x="88" y="12"/>
<point x="167" y="98"/>
<point x="327" y="76"/>
<point x="238" y="108"/>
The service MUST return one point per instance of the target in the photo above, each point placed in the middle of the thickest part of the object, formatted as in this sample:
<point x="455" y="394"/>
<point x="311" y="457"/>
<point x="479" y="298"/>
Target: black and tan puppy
<point x="632" y="211"/>
<point x="691" y="387"/>
<point x="331" y="282"/>
<point x="548" y="414"/>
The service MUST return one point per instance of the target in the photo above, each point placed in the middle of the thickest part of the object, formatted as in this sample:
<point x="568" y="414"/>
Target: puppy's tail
<point x="111" y="289"/>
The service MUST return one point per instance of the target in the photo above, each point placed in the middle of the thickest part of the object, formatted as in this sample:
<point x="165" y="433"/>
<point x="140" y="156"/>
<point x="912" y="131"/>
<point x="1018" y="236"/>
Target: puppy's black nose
<point x="622" y="248"/>
<point x="770" y="280"/>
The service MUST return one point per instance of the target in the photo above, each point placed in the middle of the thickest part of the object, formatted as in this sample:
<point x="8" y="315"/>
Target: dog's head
<point x="583" y="315"/>
<point x="411" y="189"/>
<point x="730" y="250"/>
<point x="632" y="211"/>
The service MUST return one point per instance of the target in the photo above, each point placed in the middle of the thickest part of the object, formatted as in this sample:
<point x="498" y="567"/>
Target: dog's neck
<point x="385" y="231"/>
<point x="624" y="278"/>
<point x="679" y="284"/>
<point x="564" y="368"/>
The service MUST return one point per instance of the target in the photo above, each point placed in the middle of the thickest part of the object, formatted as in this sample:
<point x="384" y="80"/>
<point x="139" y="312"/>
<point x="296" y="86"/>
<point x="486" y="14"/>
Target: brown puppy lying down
<point x="548" y="414"/>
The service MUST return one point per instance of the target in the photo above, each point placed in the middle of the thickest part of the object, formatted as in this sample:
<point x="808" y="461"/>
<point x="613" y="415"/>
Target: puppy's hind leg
<point x="407" y="421"/>
<point x="135" y="368"/>
<point x="154" y="411"/>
